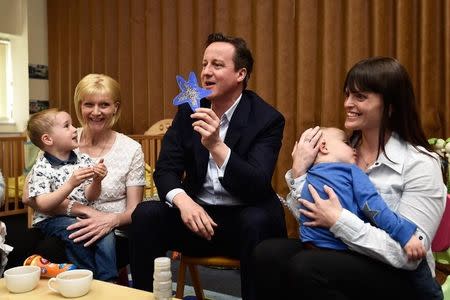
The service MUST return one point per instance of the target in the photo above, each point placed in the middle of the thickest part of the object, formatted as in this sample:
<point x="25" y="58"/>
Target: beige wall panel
<point x="308" y="67"/>
<point x="263" y="78"/>
<point x="185" y="9"/>
<point x="431" y="58"/>
<point x="302" y="50"/>
<point x="222" y="16"/>
<point x="242" y="20"/>
<point x="111" y="40"/>
<point x="407" y="38"/>
<point x="170" y="48"/>
<point x="155" y="108"/>
<point x="125" y="123"/>
<point x="98" y="36"/>
<point x="65" y="36"/>
<point x="139" y="58"/>
<point x="382" y="37"/>
<point x="85" y="37"/>
<point x="285" y="91"/>
<point x="74" y="56"/>
<point x="357" y="33"/>
<point x="333" y="64"/>
<point x="204" y="25"/>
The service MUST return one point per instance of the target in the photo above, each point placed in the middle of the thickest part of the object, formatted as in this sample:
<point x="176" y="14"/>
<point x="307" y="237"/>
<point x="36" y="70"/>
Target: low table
<point x="100" y="290"/>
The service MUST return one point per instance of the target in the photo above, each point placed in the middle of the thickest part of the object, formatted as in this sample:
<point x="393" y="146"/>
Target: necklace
<point x="366" y="163"/>
<point x="90" y="148"/>
<point x="103" y="149"/>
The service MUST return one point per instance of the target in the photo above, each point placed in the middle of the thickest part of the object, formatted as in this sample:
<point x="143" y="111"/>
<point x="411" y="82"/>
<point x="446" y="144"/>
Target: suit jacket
<point x="254" y="136"/>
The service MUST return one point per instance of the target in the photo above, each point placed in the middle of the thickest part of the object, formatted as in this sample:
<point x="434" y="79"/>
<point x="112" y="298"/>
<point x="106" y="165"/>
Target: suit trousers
<point x="157" y="228"/>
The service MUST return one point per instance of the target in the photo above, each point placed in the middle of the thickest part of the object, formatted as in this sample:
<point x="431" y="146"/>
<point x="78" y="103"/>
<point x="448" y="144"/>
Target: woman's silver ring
<point x="307" y="140"/>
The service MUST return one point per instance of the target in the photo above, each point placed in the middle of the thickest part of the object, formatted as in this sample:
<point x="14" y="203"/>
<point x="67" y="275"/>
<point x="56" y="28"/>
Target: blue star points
<point x="190" y="93"/>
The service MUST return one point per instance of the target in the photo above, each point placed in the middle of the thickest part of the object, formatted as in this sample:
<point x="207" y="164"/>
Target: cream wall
<point x="24" y="23"/>
<point x="14" y="27"/>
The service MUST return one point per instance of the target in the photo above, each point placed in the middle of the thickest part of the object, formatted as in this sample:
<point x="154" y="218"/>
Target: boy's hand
<point x="414" y="249"/>
<point x="100" y="171"/>
<point x="80" y="175"/>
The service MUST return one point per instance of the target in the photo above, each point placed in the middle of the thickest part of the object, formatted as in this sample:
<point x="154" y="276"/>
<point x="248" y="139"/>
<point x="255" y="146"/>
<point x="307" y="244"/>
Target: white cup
<point x="22" y="279"/>
<point x="71" y="284"/>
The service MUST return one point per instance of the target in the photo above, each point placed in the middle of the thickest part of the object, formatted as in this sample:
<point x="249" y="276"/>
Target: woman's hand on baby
<point x="322" y="213"/>
<point x="305" y="151"/>
<point x="100" y="171"/>
<point x="95" y="226"/>
<point x="414" y="249"/>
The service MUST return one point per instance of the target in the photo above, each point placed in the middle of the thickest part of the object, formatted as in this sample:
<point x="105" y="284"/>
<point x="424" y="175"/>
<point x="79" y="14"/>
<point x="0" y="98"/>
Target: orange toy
<point x="48" y="269"/>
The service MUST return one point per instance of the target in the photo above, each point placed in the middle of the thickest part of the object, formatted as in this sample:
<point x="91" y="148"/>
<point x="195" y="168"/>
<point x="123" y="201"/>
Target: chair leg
<point x="196" y="282"/>
<point x="181" y="279"/>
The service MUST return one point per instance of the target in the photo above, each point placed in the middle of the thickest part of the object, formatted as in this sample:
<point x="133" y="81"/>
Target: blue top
<point x="358" y="195"/>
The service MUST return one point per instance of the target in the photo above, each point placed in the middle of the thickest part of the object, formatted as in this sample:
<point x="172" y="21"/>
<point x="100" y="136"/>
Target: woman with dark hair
<point x="392" y="149"/>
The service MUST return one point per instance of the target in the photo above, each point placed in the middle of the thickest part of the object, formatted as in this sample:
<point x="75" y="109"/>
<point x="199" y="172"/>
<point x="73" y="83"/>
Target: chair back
<point x="12" y="164"/>
<point x="151" y="146"/>
<point x="441" y="241"/>
<point x="159" y="128"/>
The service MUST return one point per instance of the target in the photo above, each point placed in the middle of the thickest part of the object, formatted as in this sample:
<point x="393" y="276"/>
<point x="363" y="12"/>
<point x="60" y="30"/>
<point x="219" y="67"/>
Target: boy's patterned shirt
<point x="45" y="178"/>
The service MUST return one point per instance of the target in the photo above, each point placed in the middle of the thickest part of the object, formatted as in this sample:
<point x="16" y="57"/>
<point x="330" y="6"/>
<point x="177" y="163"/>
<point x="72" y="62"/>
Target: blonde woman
<point x="98" y="106"/>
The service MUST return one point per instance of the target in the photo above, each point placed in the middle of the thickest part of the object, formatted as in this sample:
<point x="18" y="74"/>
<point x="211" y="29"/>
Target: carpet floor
<point x="217" y="284"/>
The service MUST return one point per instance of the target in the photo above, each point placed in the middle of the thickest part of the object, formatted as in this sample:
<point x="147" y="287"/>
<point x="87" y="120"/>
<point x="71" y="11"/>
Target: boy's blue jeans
<point x="426" y="286"/>
<point x="100" y="257"/>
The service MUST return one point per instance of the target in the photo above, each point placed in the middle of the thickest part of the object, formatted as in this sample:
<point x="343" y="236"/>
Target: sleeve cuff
<point x="295" y="184"/>
<point x="221" y="170"/>
<point x="347" y="226"/>
<point x="404" y="233"/>
<point x="170" y="195"/>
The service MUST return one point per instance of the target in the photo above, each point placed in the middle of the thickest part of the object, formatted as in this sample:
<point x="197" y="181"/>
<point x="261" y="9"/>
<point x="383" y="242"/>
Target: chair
<point x="191" y="262"/>
<point x="12" y="166"/>
<point x="441" y="251"/>
<point x="159" y="128"/>
<point x="151" y="146"/>
<point x="446" y="288"/>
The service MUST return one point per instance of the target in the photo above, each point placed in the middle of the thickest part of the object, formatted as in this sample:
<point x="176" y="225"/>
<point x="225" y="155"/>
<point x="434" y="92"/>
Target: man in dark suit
<point x="214" y="172"/>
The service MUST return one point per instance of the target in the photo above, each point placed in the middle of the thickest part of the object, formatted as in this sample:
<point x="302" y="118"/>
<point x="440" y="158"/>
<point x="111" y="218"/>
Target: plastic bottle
<point x="48" y="269"/>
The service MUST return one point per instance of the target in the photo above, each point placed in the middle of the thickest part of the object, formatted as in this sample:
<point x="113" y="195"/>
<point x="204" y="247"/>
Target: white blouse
<point x="411" y="184"/>
<point x="125" y="164"/>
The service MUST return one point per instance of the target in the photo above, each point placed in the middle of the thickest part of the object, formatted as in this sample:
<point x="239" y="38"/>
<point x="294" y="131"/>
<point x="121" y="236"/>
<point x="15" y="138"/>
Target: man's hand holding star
<point x="207" y="124"/>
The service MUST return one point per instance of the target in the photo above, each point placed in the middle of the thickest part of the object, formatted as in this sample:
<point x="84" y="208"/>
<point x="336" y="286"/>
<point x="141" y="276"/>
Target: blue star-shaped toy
<point x="191" y="93"/>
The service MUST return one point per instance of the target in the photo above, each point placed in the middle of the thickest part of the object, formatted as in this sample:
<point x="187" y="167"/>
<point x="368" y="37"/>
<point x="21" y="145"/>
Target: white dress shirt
<point x="212" y="192"/>
<point x="410" y="184"/>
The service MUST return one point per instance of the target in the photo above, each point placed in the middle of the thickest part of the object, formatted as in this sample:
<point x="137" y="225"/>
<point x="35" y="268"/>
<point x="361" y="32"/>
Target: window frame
<point x="6" y="117"/>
